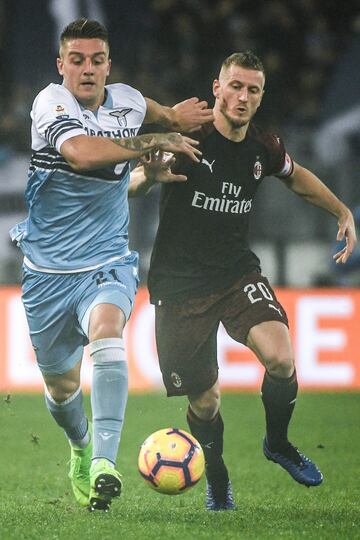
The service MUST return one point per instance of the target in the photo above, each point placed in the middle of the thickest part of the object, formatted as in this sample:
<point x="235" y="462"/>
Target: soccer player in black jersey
<point x="203" y="272"/>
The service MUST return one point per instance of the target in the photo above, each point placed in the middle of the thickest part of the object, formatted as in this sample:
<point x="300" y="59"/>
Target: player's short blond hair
<point x="247" y="60"/>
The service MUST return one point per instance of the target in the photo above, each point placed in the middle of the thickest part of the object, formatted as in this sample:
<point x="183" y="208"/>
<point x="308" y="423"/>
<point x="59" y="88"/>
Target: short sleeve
<point x="56" y="117"/>
<point x="280" y="163"/>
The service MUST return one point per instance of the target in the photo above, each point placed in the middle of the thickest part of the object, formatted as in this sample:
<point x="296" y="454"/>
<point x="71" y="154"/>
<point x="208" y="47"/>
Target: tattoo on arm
<point x="145" y="143"/>
<point x="142" y="142"/>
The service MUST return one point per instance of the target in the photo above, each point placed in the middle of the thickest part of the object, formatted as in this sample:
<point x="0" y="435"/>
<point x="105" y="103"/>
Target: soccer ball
<point x="171" y="461"/>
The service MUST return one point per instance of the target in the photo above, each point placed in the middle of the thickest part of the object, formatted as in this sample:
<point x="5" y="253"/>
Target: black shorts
<point x="186" y="333"/>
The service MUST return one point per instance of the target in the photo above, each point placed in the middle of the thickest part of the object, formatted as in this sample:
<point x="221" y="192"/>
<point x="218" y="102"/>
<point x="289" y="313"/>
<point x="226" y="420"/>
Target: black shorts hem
<point x="177" y="392"/>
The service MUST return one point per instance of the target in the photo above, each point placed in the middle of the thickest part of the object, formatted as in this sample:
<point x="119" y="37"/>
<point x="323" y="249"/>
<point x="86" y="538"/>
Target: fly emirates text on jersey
<point x="223" y="203"/>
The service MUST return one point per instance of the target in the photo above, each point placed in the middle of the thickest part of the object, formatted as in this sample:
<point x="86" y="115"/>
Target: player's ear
<point x="216" y="87"/>
<point x="60" y="65"/>
<point x="261" y="97"/>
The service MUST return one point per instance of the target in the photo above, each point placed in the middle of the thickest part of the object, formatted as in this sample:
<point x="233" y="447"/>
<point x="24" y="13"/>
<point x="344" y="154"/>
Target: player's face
<point x="84" y="65"/>
<point x="238" y="93"/>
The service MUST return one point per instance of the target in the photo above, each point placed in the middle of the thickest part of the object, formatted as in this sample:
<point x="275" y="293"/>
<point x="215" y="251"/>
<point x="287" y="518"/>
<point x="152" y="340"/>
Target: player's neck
<point x="92" y="104"/>
<point x="228" y="130"/>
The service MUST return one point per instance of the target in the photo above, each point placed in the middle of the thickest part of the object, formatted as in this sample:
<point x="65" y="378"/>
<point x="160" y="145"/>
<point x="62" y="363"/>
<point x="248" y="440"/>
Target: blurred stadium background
<point x="170" y="50"/>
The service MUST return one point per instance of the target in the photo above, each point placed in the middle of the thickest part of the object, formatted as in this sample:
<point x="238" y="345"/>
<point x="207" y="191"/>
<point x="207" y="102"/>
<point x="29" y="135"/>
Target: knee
<point x="107" y="324"/>
<point x="105" y="330"/>
<point x="281" y="366"/>
<point x="62" y="390"/>
<point x="207" y="404"/>
<point x="106" y="321"/>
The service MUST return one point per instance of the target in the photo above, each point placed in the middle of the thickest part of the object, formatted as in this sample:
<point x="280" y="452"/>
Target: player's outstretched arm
<point x="186" y="116"/>
<point x="86" y="153"/>
<point x="155" y="168"/>
<point x="306" y="184"/>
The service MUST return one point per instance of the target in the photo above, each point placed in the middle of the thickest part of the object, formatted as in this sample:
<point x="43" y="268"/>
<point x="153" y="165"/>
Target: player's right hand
<point x="191" y="114"/>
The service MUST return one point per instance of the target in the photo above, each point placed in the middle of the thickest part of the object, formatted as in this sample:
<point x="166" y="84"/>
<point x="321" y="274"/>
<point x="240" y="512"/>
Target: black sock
<point x="210" y="436"/>
<point x="278" y="396"/>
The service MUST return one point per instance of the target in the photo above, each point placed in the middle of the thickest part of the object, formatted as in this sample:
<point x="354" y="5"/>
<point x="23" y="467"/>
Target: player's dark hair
<point x="84" y="29"/>
<point x="246" y="59"/>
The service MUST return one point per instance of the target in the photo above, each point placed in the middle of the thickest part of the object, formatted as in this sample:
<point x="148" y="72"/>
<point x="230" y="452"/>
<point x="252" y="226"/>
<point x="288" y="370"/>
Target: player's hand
<point x="157" y="167"/>
<point x="191" y="114"/>
<point x="179" y="144"/>
<point x="346" y="231"/>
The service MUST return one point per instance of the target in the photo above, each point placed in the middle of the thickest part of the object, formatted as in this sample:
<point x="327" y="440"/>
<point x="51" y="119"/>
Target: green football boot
<point x="79" y="474"/>
<point x="105" y="484"/>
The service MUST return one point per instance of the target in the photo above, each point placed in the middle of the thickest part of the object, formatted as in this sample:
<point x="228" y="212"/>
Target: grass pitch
<point x="36" y="500"/>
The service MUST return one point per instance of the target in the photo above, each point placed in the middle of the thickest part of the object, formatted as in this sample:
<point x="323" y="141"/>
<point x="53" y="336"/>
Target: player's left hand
<point x="346" y="231"/>
<point x="191" y="114"/>
<point x="157" y="167"/>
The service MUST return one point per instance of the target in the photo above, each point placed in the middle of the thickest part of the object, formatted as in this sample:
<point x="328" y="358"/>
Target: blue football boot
<point x="219" y="495"/>
<point x="300" y="467"/>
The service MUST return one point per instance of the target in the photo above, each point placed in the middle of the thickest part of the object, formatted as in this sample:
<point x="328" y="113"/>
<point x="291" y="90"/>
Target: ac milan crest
<point x="257" y="170"/>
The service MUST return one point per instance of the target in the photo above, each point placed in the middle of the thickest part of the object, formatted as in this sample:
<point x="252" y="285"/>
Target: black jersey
<point x="202" y="240"/>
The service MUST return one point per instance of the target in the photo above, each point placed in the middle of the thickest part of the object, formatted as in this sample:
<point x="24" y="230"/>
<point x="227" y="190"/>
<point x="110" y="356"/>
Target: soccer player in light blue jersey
<point x="79" y="277"/>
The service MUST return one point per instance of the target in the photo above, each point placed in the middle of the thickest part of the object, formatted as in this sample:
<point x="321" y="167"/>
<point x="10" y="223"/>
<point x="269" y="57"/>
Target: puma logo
<point x="209" y="445"/>
<point x="210" y="165"/>
<point x="277" y="309"/>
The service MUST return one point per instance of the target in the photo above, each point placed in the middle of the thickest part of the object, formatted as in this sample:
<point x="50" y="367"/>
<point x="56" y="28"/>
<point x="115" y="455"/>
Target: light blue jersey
<point x="77" y="220"/>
